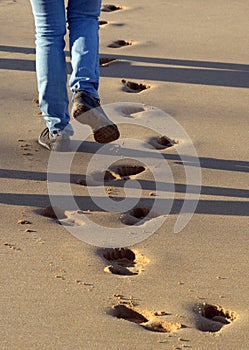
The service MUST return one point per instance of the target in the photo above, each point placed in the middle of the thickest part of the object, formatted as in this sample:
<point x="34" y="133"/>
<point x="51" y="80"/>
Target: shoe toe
<point x="107" y="134"/>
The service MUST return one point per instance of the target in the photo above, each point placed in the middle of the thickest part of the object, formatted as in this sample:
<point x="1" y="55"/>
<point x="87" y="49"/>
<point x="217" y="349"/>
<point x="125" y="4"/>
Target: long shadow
<point x="210" y="207"/>
<point x="180" y="62"/>
<point x="200" y="76"/>
<point x="17" y="64"/>
<point x="212" y="77"/>
<point x="156" y="60"/>
<point x="205" y="162"/>
<point x="35" y="175"/>
<point x="18" y="49"/>
<point x="211" y="163"/>
<point x="145" y="184"/>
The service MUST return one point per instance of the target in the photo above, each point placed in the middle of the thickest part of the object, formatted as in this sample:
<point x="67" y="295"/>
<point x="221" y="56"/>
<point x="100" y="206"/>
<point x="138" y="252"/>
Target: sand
<point x="188" y="60"/>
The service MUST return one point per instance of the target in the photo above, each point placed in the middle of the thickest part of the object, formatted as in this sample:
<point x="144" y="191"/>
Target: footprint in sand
<point x="106" y="61"/>
<point x="211" y="318"/>
<point x="162" y="142"/>
<point x="120" y="43"/>
<point x="137" y="215"/>
<point x="53" y="213"/>
<point x="146" y="319"/>
<point x="103" y="23"/>
<point x="130" y="86"/>
<point x="125" y="172"/>
<point x="131" y="111"/>
<point x="111" y="8"/>
<point x="126" y="110"/>
<point x="114" y="173"/>
<point x="124" y="261"/>
<point x="65" y="217"/>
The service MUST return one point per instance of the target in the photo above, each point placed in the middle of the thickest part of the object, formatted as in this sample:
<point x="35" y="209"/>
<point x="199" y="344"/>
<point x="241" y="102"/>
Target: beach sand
<point x="186" y="290"/>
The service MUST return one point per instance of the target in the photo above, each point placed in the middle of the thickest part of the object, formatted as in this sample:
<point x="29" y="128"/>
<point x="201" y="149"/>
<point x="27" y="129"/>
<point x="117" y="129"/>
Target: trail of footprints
<point x="125" y="262"/>
<point x="128" y="86"/>
<point x="211" y="318"/>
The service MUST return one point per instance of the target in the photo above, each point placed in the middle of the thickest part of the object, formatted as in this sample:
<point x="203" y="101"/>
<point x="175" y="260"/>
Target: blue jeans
<point x="50" y="21"/>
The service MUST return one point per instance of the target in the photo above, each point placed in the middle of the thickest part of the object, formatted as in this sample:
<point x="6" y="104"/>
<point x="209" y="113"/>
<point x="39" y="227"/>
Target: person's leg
<point x="82" y="16"/>
<point x="84" y="48"/>
<point x="51" y="70"/>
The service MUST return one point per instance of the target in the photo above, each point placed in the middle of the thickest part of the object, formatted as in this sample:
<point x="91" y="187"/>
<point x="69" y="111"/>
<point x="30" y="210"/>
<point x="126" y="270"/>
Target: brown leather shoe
<point x="87" y="110"/>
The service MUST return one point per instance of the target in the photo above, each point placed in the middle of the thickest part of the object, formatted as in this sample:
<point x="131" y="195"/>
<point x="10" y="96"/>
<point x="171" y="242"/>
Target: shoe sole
<point x="57" y="146"/>
<point x="106" y="134"/>
<point x="43" y="144"/>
